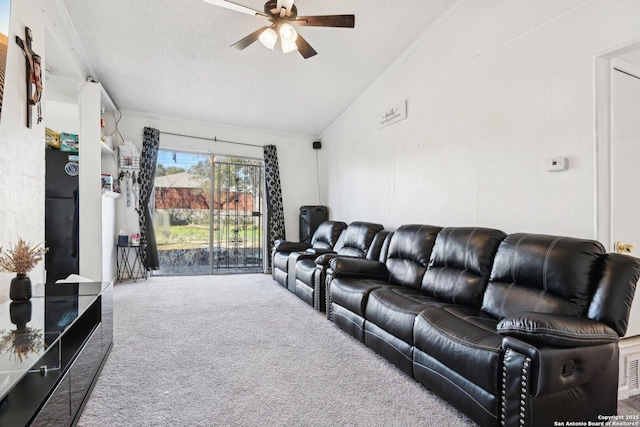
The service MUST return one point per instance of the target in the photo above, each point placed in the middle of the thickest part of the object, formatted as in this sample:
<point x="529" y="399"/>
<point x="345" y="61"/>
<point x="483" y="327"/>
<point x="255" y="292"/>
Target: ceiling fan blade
<point x="305" y="48"/>
<point x="245" y="42"/>
<point x="234" y="6"/>
<point x="344" y="21"/>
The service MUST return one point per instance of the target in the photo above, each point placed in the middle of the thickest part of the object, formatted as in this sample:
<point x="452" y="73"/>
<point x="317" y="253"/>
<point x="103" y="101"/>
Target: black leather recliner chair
<point x="354" y="279"/>
<point x="357" y="241"/>
<point x="323" y="240"/>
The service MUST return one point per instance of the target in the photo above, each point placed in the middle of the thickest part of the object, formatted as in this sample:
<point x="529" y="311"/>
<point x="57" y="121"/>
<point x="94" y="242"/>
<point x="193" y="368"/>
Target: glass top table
<point x="30" y="329"/>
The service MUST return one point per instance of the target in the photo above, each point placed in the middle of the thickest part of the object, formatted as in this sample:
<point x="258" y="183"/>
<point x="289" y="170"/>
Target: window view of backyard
<point x="208" y="213"/>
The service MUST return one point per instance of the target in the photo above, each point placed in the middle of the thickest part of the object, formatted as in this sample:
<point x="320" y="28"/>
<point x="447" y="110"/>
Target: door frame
<point x="604" y="202"/>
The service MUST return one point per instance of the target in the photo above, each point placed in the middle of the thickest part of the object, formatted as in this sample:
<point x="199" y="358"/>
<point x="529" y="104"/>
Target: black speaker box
<point x="310" y="218"/>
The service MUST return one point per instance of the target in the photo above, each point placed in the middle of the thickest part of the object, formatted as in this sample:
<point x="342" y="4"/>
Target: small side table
<point x="129" y="262"/>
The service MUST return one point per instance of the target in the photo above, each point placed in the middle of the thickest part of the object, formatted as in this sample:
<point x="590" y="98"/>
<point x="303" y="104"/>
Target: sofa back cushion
<point x="548" y="274"/>
<point x="327" y="234"/>
<point x="357" y="239"/>
<point x="409" y="253"/>
<point x="379" y="246"/>
<point x="461" y="264"/>
<point x="611" y="302"/>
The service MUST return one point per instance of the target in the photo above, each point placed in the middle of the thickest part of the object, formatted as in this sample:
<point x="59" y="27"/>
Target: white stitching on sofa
<point x="457" y="386"/>
<point x="466" y="248"/>
<point x="388" y="304"/>
<point x="540" y="295"/>
<point x="504" y="297"/>
<point x="396" y="348"/>
<point x="345" y="317"/>
<point x="451" y="231"/>
<point x="556" y="334"/>
<point x="457" y="289"/>
<point x="513" y="258"/>
<point x="497" y="351"/>
<point x="546" y="262"/>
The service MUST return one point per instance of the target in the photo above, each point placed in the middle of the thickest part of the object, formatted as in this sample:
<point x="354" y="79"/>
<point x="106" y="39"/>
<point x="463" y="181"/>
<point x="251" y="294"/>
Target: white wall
<point x="492" y="92"/>
<point x="296" y="159"/>
<point x="21" y="148"/>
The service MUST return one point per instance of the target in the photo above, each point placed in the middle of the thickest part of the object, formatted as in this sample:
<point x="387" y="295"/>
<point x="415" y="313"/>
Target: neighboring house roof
<point x="179" y="180"/>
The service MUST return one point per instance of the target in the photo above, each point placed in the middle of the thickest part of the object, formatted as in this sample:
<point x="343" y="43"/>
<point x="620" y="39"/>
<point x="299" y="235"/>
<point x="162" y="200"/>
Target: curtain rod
<point x="214" y="139"/>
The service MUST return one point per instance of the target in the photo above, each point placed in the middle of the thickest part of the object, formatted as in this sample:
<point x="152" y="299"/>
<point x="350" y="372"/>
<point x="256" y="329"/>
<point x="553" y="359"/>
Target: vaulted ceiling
<point x="173" y="58"/>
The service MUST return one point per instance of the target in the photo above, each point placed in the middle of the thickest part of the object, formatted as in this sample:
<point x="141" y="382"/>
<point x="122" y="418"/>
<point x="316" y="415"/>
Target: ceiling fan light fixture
<point x="288" y="46"/>
<point x="268" y="38"/>
<point x="288" y="33"/>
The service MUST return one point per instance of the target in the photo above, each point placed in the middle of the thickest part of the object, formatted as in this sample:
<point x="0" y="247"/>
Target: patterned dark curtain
<point x="275" y="212"/>
<point x="146" y="177"/>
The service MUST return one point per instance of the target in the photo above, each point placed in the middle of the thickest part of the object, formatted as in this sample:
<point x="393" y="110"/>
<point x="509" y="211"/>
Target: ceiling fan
<point x="283" y="13"/>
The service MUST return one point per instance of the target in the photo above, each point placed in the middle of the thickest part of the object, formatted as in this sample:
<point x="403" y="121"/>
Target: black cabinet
<point x="77" y="335"/>
<point x="310" y="218"/>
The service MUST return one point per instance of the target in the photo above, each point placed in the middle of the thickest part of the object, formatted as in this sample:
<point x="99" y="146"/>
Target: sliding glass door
<point x="208" y="214"/>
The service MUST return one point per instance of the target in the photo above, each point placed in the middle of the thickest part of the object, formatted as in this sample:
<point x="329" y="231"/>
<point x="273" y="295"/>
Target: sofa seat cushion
<point x="464" y="339"/>
<point x="352" y="293"/>
<point x="305" y="268"/>
<point x="280" y="260"/>
<point x="395" y="310"/>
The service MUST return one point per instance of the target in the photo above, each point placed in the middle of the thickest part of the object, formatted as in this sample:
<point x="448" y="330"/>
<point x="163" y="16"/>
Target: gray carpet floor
<point x="240" y="350"/>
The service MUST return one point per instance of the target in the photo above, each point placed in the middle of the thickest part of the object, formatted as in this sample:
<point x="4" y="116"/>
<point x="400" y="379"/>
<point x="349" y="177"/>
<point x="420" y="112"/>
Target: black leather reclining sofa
<point x="323" y="240"/>
<point x="300" y="267"/>
<point x="518" y="330"/>
<point x="359" y="240"/>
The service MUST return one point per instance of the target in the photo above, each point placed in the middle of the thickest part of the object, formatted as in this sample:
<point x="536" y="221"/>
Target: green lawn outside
<point x="197" y="236"/>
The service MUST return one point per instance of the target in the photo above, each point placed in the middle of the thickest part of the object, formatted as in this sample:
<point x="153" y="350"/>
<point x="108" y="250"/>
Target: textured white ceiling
<point x="173" y="58"/>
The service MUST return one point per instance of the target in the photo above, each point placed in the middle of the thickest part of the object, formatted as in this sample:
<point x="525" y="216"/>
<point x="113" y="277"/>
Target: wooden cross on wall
<point x="33" y="73"/>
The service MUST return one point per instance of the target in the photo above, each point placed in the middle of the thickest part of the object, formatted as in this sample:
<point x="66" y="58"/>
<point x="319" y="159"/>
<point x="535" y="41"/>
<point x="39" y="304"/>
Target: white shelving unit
<point x="79" y="111"/>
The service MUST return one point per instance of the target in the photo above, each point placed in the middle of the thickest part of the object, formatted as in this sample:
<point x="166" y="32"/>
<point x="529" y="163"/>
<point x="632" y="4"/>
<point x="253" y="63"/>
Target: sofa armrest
<point x="557" y="330"/>
<point x="319" y="251"/>
<point x="358" y="267"/>
<point x="323" y="260"/>
<point x="552" y="369"/>
<point x="286" y="246"/>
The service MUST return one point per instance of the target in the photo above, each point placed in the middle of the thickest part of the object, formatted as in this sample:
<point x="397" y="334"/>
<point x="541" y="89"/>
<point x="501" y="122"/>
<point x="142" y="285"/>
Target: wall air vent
<point x="633" y="380"/>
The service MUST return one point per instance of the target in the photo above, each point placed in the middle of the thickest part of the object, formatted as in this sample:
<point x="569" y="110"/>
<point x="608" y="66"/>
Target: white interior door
<point x="625" y="170"/>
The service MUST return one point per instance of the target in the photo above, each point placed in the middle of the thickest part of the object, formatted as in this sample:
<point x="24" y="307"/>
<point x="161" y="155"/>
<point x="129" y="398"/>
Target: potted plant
<point x="21" y="259"/>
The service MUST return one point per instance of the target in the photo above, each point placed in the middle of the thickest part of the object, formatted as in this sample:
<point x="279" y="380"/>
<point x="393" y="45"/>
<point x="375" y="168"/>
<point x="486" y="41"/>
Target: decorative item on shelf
<point x="52" y="138"/>
<point x="135" y="239"/>
<point x="123" y="239"/>
<point x="69" y="142"/>
<point x="107" y="182"/>
<point x="22" y="340"/>
<point x="21" y="259"/>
